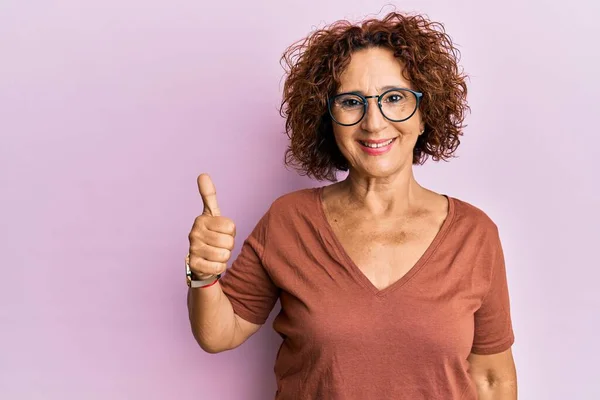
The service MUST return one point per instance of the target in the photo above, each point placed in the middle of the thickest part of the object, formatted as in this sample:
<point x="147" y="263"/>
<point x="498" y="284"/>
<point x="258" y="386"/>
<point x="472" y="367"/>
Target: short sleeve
<point x="493" y="325"/>
<point x="246" y="283"/>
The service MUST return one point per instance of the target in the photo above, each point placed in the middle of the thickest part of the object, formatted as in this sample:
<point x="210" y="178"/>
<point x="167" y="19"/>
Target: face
<point x="370" y="72"/>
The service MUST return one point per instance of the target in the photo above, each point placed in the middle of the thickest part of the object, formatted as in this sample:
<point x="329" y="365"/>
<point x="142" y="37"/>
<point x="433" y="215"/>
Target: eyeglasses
<point x="396" y="105"/>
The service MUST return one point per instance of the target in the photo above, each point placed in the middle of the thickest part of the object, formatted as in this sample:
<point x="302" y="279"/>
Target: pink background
<point x="110" y="109"/>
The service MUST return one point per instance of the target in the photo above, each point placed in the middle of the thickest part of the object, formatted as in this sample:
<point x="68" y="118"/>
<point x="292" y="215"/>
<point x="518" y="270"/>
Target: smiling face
<point x="365" y="145"/>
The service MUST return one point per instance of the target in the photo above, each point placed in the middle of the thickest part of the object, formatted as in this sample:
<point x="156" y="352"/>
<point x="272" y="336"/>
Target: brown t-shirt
<point x="345" y="339"/>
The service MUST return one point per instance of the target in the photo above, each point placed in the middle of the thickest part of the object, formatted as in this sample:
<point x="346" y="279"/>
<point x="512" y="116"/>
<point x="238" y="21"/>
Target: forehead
<point x="372" y="69"/>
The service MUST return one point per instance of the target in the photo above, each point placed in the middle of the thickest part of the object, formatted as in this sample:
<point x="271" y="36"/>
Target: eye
<point x="348" y="102"/>
<point x="394" y="98"/>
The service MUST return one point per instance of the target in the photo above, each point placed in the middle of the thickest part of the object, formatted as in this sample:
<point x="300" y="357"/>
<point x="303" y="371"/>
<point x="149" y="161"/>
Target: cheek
<point x="409" y="131"/>
<point x="408" y="137"/>
<point x="411" y="127"/>
<point x="343" y="136"/>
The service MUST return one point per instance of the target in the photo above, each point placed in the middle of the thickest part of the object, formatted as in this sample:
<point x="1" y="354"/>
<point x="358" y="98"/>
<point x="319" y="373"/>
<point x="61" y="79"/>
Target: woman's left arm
<point x="495" y="375"/>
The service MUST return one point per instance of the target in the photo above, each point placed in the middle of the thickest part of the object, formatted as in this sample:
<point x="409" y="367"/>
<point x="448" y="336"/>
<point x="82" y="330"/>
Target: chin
<point x="383" y="170"/>
<point x="382" y="166"/>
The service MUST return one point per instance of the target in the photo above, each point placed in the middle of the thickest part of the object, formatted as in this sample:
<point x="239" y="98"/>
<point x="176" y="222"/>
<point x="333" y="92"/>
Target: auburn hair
<point x="313" y="67"/>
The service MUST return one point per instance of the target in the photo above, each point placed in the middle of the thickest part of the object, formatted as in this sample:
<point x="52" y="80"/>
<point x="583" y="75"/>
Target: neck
<point x="391" y="195"/>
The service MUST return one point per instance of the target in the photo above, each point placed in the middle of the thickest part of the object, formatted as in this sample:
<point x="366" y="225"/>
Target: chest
<point x="401" y="324"/>
<point x="384" y="251"/>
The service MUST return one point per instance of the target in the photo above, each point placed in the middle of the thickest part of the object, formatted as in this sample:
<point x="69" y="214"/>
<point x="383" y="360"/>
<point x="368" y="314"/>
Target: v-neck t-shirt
<point x="343" y="338"/>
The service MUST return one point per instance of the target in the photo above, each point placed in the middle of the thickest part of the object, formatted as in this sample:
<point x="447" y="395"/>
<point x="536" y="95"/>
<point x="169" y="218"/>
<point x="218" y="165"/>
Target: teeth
<point x="377" y="145"/>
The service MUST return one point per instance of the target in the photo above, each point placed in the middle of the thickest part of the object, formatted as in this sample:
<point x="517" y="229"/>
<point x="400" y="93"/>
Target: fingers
<point x="209" y="196"/>
<point x="212" y="236"/>
<point x="211" y="253"/>
<point x="207" y="259"/>
<point x="220" y="224"/>
<point x="219" y="240"/>
<point x="202" y="267"/>
<point x="211" y="243"/>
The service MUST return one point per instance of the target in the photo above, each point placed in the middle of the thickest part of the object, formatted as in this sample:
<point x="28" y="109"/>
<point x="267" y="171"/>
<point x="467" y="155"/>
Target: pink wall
<point x="109" y="110"/>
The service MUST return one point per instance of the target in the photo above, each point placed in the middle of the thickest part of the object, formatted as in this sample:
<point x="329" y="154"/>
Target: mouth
<point x="376" y="144"/>
<point x="376" y="147"/>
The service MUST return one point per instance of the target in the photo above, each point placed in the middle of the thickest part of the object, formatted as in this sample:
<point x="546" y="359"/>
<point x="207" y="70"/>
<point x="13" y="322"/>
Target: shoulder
<point x="293" y="214"/>
<point x="285" y="215"/>
<point x="298" y="202"/>
<point x="467" y="212"/>
<point x="478" y="236"/>
<point x="471" y="218"/>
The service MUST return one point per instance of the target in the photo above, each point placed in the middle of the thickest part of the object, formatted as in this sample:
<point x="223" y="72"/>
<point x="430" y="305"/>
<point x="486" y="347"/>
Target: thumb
<point x="209" y="196"/>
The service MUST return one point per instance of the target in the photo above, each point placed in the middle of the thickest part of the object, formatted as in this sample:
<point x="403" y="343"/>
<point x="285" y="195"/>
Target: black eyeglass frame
<point x="330" y="100"/>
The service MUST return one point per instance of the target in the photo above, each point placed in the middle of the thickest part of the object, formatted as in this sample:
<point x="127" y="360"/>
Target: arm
<point x="215" y="326"/>
<point x="491" y="363"/>
<point x="494" y="375"/>
<point x="245" y="290"/>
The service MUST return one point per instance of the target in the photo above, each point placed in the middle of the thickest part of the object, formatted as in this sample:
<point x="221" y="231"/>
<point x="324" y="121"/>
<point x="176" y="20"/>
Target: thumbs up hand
<point x="212" y="236"/>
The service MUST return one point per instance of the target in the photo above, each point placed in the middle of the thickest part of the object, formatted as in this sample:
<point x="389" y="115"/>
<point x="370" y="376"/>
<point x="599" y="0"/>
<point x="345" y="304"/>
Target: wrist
<point x="199" y="280"/>
<point x="198" y="283"/>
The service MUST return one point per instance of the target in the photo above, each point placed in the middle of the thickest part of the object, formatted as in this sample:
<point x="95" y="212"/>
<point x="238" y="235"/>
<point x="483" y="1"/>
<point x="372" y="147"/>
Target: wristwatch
<point x="191" y="280"/>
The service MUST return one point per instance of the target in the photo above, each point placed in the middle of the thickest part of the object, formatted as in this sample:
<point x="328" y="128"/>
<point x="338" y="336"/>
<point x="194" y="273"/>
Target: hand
<point x="212" y="236"/>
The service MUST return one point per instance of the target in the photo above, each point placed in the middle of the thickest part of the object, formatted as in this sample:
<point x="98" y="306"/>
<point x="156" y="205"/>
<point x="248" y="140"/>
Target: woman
<point x="388" y="290"/>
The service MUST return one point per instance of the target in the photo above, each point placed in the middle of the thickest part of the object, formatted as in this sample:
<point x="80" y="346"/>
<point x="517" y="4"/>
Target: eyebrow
<point x="383" y="89"/>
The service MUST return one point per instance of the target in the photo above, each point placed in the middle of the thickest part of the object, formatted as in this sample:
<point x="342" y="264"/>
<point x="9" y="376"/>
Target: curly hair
<point x="315" y="63"/>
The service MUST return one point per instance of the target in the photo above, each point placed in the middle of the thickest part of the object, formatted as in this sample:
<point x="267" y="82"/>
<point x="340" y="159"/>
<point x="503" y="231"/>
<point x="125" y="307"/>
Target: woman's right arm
<point x="214" y="324"/>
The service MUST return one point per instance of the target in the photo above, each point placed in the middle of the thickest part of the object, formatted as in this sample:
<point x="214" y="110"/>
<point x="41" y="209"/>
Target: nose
<point x="374" y="121"/>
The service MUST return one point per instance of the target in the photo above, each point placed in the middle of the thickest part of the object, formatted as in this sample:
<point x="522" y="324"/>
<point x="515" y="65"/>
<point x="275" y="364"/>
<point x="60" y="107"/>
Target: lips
<point x="376" y="147"/>
<point x="375" y="144"/>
